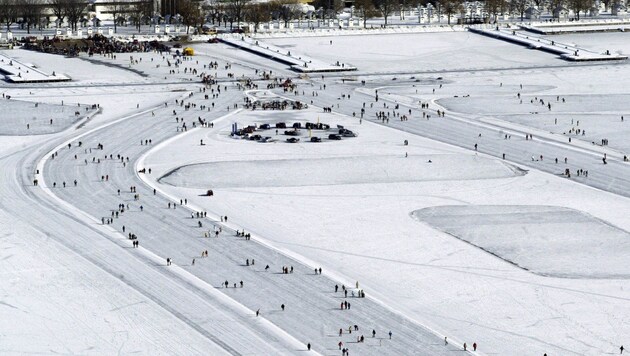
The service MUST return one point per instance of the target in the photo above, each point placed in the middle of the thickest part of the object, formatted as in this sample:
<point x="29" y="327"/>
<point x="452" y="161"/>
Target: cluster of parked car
<point x="294" y="131"/>
<point x="342" y="132"/>
<point x="259" y="138"/>
<point x="298" y="125"/>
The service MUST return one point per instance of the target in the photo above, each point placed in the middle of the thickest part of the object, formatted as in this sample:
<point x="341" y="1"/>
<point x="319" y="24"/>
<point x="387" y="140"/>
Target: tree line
<point x="236" y="11"/>
<point x="35" y="14"/>
<point x="32" y="14"/>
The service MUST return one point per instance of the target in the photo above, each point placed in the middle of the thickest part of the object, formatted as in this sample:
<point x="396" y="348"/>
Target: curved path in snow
<point x="223" y="319"/>
<point x="194" y="294"/>
<point x="464" y="130"/>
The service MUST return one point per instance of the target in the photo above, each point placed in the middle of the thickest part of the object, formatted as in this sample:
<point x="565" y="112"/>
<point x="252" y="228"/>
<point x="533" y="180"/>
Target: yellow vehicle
<point x="188" y="51"/>
<point x="206" y="30"/>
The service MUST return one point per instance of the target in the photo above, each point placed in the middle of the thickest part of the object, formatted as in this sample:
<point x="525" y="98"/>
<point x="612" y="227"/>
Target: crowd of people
<point x="94" y="44"/>
<point x="192" y="110"/>
<point x="133" y="202"/>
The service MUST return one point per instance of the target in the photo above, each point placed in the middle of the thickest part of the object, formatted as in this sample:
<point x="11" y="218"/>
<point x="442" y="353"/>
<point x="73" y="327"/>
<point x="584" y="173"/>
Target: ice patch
<point x="546" y="240"/>
<point x="336" y="171"/>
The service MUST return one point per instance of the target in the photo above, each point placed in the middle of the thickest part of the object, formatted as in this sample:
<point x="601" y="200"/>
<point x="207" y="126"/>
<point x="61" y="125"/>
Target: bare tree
<point x="74" y="9"/>
<point x="287" y="10"/>
<point x="519" y="6"/>
<point x="192" y="15"/>
<point x="235" y="10"/>
<point x="553" y="5"/>
<point x="258" y="13"/>
<point x="451" y="7"/>
<point x="495" y="7"/>
<point x="9" y="12"/>
<point x="227" y="15"/>
<point x="31" y="13"/>
<point x="328" y="7"/>
<point x="401" y="6"/>
<point x="366" y="10"/>
<point x="58" y="9"/>
<point x="580" y="5"/>
<point x="215" y="12"/>
<point x="117" y="9"/>
<point x="337" y="7"/>
<point x="140" y="12"/>
<point x="385" y="7"/>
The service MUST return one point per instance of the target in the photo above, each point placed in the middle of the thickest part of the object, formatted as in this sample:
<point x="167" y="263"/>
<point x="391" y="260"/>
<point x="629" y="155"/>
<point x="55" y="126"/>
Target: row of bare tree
<point x="518" y="7"/>
<point x="31" y="13"/>
<point x="231" y="11"/>
<point x="493" y="8"/>
<point x="137" y="13"/>
<point x="34" y="13"/>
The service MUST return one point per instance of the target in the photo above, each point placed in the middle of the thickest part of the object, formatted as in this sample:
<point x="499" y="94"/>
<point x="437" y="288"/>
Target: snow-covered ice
<point x="446" y="236"/>
<point x="584" y="247"/>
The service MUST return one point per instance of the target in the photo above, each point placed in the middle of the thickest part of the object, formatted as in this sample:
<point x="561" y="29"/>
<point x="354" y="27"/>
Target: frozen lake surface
<point x="487" y="243"/>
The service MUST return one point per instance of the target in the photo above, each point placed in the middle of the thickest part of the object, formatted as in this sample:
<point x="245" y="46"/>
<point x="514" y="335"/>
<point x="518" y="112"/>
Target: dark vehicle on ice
<point x="347" y="133"/>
